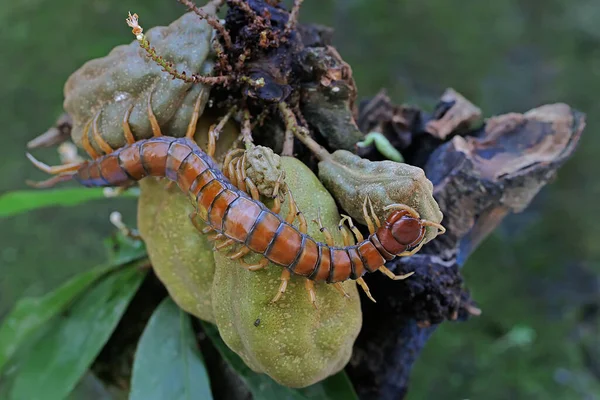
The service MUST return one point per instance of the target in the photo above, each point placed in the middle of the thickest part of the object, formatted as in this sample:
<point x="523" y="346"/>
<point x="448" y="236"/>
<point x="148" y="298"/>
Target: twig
<point x="291" y="125"/>
<point x="212" y="21"/>
<point x="293" y="19"/>
<point x="167" y="66"/>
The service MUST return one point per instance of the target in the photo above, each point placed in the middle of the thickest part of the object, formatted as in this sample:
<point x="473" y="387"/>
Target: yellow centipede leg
<point x="367" y="217"/>
<point x="328" y="238"/>
<point x="85" y="142"/>
<point x="215" y="130"/>
<point x="224" y="244"/>
<point x="393" y="276"/>
<point x="353" y="228"/>
<point x="375" y="218"/>
<point x="153" y="121"/>
<point x="340" y="288"/>
<point x="240" y="253"/>
<point x="191" y="129"/>
<point x="312" y="295"/>
<point x="285" y="277"/>
<point x="255" y="267"/>
<point x="344" y="231"/>
<point x="97" y="137"/>
<point x="239" y="175"/>
<point x="364" y="287"/>
<point x="129" y="138"/>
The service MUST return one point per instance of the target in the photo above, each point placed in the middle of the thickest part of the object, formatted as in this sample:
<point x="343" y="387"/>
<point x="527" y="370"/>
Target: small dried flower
<point x="137" y="30"/>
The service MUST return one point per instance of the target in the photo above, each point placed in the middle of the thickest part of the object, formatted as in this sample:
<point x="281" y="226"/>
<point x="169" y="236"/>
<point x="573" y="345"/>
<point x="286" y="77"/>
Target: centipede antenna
<point x="404" y="207"/>
<point x="441" y="229"/>
<point x="55" y="170"/>
<point x="413" y="251"/>
<point x="48" y="183"/>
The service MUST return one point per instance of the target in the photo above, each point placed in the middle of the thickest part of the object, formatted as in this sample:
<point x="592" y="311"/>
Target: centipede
<point x="239" y="217"/>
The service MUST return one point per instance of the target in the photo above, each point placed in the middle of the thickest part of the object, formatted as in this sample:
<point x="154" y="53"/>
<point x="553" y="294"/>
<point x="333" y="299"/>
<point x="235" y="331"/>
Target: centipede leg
<point x="191" y="129"/>
<point x="239" y="174"/>
<point x="129" y="138"/>
<point x="224" y="244"/>
<point x="340" y="288"/>
<point x="85" y="142"/>
<point x="353" y="228"/>
<point x="228" y="160"/>
<point x="276" y="202"/>
<point x="199" y="224"/>
<point x="215" y="237"/>
<point x="344" y="231"/>
<point x="393" y="276"/>
<point x="214" y="132"/>
<point x="97" y="137"/>
<point x="328" y="238"/>
<point x="303" y="228"/>
<point x="252" y="189"/>
<point x="255" y="267"/>
<point x="312" y="295"/>
<point x="240" y="253"/>
<point x="367" y="217"/>
<point x="365" y="288"/>
<point x="153" y="121"/>
<point x="285" y="277"/>
<point x="373" y="215"/>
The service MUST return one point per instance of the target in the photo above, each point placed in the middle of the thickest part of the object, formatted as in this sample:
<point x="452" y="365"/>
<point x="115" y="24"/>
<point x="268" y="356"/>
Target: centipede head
<point x="404" y="229"/>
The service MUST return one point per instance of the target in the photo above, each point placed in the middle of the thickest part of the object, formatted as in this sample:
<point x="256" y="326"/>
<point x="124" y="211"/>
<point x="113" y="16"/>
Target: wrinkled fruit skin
<point x="351" y="178"/>
<point x="181" y="256"/>
<point x="126" y="76"/>
<point x="289" y="340"/>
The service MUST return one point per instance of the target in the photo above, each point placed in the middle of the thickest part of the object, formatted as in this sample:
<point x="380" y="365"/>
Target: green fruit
<point x="181" y="256"/>
<point x="108" y="86"/>
<point x="291" y="341"/>
<point x="351" y="178"/>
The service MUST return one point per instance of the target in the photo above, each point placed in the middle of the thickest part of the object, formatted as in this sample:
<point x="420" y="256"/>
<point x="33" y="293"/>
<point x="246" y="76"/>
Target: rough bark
<point x="480" y="176"/>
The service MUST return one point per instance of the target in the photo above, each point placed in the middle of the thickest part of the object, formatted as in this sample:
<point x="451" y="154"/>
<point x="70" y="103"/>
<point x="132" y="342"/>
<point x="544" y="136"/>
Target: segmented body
<point x="236" y="215"/>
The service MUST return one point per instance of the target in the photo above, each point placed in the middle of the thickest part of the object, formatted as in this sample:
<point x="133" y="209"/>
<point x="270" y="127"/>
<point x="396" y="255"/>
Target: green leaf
<point x="21" y="201"/>
<point x="122" y="249"/>
<point x="168" y="364"/>
<point x="56" y="363"/>
<point x="336" y="387"/>
<point x="29" y="314"/>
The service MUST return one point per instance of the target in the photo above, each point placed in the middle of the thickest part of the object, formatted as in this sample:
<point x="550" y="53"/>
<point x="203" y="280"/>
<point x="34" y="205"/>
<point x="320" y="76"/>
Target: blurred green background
<point x="537" y="278"/>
